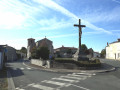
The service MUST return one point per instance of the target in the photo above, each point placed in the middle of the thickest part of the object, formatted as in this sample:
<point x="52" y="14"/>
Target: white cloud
<point x="53" y="24"/>
<point x="101" y="15"/>
<point x="91" y="33"/>
<point x="16" y="14"/>
<point x="115" y="30"/>
<point x="9" y="20"/>
<point x="116" y="1"/>
<point x="51" y="4"/>
<point x="16" y="43"/>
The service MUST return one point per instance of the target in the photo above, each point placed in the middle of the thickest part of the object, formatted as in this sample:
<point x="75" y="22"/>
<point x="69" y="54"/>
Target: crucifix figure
<point x="80" y="33"/>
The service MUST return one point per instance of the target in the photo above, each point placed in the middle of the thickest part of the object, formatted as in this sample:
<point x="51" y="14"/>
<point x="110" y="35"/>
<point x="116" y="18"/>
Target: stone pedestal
<point x="80" y="56"/>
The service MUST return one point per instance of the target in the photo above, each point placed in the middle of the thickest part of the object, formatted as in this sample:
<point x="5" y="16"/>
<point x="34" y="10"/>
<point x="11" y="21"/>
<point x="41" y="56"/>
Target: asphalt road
<point x="28" y="78"/>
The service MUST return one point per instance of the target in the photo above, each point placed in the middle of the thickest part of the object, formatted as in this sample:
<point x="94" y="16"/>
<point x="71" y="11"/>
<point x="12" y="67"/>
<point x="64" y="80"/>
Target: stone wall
<point x="58" y="65"/>
<point x="42" y="63"/>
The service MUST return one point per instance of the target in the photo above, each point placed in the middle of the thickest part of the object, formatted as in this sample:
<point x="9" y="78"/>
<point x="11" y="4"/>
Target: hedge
<point x="91" y="63"/>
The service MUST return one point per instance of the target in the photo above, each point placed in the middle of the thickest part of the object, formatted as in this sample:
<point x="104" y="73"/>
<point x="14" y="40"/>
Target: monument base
<point x="80" y="56"/>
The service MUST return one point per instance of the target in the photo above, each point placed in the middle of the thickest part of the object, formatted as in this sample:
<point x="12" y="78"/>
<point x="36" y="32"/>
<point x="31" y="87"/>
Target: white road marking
<point x="28" y="68"/>
<point x="19" y="88"/>
<point x="80" y="87"/>
<point x="22" y="68"/>
<point x="42" y="87"/>
<point x="72" y="77"/>
<point x="31" y="84"/>
<point x="63" y="79"/>
<point x="55" y="83"/>
<point x="78" y="75"/>
<point x="85" y="73"/>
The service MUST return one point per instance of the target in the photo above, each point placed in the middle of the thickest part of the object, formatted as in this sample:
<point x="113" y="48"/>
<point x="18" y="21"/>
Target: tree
<point x="18" y="56"/>
<point x="33" y="53"/>
<point x="41" y="52"/>
<point x="84" y="48"/>
<point x="103" y="53"/>
<point x="69" y="51"/>
<point x="23" y="50"/>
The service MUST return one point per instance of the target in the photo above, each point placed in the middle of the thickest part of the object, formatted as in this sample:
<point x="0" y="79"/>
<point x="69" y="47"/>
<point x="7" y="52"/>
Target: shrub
<point x="18" y="56"/>
<point x="91" y="63"/>
<point x="41" y="52"/>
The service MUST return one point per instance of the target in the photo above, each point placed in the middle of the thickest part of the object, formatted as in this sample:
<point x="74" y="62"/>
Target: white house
<point x="113" y="50"/>
<point x="96" y="54"/>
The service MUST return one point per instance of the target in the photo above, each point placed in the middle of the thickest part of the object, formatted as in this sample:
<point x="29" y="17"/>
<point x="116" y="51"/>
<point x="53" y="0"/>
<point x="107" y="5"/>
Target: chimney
<point x="119" y="40"/>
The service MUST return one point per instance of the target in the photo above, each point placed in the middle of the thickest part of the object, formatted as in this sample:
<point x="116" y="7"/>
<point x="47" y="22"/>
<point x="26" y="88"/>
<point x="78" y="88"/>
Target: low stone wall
<point x="70" y="64"/>
<point x="62" y="65"/>
<point x="38" y="62"/>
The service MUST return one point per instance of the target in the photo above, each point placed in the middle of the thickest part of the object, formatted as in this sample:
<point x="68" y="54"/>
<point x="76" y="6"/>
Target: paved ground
<point x="27" y="78"/>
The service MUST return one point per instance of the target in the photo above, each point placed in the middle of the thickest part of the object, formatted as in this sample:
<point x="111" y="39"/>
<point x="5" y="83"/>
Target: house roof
<point x="66" y="47"/>
<point x="114" y="42"/>
<point x="44" y="44"/>
<point x="44" y="39"/>
<point x="31" y="39"/>
<point x="97" y="52"/>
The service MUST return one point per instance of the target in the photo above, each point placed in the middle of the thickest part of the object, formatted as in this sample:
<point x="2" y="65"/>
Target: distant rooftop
<point x="44" y="39"/>
<point x="66" y="47"/>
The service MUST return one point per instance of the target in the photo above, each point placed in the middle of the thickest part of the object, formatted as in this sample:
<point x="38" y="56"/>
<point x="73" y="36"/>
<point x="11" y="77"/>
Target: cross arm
<point x="79" y="25"/>
<point x="82" y="25"/>
<point x="76" y="25"/>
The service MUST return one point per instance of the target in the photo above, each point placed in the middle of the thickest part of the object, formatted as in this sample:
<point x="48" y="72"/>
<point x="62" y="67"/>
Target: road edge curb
<point x="94" y="71"/>
<point x="113" y="69"/>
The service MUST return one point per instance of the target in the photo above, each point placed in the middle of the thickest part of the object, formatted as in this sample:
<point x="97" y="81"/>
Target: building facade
<point x="1" y="56"/>
<point x="44" y="42"/>
<point x="96" y="54"/>
<point x="113" y="50"/>
<point x="11" y="53"/>
<point x="65" y="52"/>
<point x="7" y="53"/>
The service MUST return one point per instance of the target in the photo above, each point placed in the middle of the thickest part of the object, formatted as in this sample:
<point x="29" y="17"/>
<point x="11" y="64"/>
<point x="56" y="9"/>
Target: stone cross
<point x="80" y="32"/>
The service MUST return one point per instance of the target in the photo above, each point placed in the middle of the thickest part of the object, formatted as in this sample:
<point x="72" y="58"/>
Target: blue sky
<point x="23" y="19"/>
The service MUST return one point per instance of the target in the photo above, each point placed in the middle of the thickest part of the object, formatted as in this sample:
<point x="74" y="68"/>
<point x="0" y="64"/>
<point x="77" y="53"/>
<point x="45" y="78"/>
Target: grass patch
<point x="3" y="79"/>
